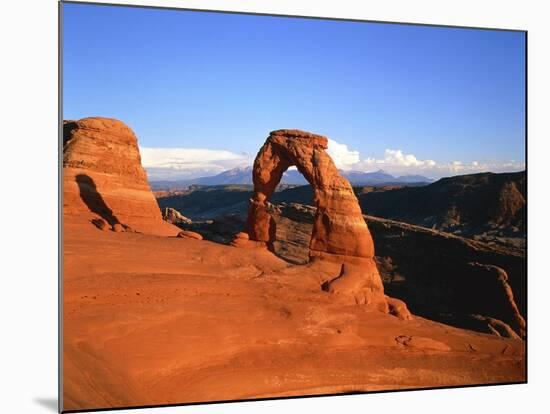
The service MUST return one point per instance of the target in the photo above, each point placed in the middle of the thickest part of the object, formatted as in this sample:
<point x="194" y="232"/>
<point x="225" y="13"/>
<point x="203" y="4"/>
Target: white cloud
<point x="344" y="158"/>
<point x="172" y="163"/>
<point x="182" y="163"/>
<point x="460" y="168"/>
<point x="396" y="157"/>
<point x="398" y="163"/>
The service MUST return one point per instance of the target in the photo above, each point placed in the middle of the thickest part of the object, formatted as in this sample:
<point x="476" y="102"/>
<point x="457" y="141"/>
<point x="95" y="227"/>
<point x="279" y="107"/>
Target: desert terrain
<point x="274" y="300"/>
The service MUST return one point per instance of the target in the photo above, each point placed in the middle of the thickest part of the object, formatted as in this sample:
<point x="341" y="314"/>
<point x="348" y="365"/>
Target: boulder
<point x="189" y="235"/>
<point x="242" y="235"/>
<point x="118" y="228"/>
<point x="240" y="239"/>
<point x="100" y="224"/>
<point x="173" y="216"/>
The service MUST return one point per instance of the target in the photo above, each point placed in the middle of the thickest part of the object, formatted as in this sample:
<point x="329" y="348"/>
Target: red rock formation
<point x="363" y="283"/>
<point x="118" y="228"/>
<point x="240" y="239"/>
<point x="187" y="234"/>
<point x="339" y="233"/>
<point x="398" y="308"/>
<point x="104" y="178"/>
<point x="173" y="216"/>
<point x="339" y="227"/>
<point x="100" y="224"/>
<point x="502" y="307"/>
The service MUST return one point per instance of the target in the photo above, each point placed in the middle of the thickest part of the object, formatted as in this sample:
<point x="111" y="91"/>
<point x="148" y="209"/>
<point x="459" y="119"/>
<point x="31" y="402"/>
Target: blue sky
<point x="202" y="90"/>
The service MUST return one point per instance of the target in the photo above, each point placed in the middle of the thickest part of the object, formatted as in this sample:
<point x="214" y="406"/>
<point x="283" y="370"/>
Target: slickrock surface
<point x="103" y="177"/>
<point x="160" y="320"/>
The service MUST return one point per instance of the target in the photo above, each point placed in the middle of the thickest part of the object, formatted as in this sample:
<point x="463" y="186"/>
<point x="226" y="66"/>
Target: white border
<point x="28" y="162"/>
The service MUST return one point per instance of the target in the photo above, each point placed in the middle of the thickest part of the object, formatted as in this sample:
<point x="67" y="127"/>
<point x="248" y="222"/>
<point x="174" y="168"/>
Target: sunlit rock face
<point x="103" y="177"/>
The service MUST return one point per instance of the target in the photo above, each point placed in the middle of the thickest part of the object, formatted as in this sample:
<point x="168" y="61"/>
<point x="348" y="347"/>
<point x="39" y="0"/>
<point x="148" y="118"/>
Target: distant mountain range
<point x="292" y="177"/>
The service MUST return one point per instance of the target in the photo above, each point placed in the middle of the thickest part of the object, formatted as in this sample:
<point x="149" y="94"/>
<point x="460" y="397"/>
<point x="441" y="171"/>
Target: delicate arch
<point x="339" y="233"/>
<point x="339" y="228"/>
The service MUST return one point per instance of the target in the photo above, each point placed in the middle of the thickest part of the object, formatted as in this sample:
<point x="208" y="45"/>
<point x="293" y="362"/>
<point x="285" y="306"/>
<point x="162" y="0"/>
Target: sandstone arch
<point x="339" y="228"/>
<point x="339" y="233"/>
